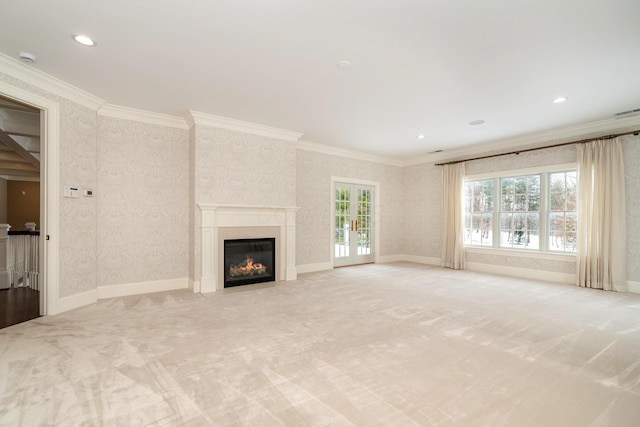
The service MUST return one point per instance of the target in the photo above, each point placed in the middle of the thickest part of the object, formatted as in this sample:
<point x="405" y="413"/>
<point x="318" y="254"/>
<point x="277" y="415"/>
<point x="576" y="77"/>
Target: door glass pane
<point x="342" y="220"/>
<point x="364" y="222"/>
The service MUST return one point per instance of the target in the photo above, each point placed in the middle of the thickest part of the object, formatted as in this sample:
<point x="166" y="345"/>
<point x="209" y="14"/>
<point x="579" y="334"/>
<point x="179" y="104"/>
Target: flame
<point x="247" y="268"/>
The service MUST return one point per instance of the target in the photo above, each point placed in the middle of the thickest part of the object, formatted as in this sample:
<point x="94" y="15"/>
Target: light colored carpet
<point x="389" y="344"/>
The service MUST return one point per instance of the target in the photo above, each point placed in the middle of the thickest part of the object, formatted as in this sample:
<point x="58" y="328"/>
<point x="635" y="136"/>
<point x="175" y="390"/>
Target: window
<point x="478" y="216"/>
<point x="563" y="218"/>
<point x="534" y="211"/>
<point x="520" y="212"/>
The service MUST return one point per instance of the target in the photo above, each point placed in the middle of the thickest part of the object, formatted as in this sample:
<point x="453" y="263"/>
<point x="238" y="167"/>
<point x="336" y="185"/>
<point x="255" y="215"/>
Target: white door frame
<point x="376" y="214"/>
<point x="49" y="193"/>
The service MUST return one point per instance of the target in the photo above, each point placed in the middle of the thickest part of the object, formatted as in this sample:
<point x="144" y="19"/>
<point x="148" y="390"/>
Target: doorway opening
<point x="20" y="213"/>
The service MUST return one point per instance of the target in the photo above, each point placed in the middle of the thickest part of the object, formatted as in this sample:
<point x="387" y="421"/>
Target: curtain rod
<point x="634" y="132"/>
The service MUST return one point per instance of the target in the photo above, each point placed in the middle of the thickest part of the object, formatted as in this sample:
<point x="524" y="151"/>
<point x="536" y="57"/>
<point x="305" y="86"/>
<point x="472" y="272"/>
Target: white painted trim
<point x="50" y="200"/>
<point x="524" y="273"/>
<point x="78" y="300"/>
<point x="341" y="152"/>
<point x="410" y="258"/>
<point x="204" y="119"/>
<point x="127" y="289"/>
<point x="549" y="256"/>
<point x="391" y="258"/>
<point x="133" y="114"/>
<point x="376" y="214"/>
<point x="194" y="285"/>
<point x="633" y="287"/>
<point x="599" y="128"/>
<point x="312" y="268"/>
<point x="44" y="81"/>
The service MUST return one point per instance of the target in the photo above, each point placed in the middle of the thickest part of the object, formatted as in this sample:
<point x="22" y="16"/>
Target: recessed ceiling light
<point x="344" y="65"/>
<point x="84" y="40"/>
<point x="560" y="99"/>
<point x="421" y="136"/>
<point x="476" y="122"/>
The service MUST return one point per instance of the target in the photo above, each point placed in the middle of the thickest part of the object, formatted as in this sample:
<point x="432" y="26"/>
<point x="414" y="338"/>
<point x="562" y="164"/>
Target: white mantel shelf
<point x="215" y="216"/>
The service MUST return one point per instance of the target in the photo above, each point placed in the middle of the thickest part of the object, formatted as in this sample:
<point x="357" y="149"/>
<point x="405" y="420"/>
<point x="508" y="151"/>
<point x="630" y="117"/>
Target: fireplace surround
<point x="225" y="222"/>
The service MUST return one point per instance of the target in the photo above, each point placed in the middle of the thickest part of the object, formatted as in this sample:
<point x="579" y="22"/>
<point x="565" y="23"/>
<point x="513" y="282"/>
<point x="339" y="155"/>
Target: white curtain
<point x="601" y="253"/>
<point x="453" y="216"/>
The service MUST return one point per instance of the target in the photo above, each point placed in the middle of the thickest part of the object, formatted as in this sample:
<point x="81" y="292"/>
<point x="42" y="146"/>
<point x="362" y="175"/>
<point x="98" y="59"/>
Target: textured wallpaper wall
<point x="77" y="216"/>
<point x="314" y="199"/>
<point x="422" y="210"/>
<point x="631" y="149"/>
<point x="142" y="195"/>
<point x="243" y="169"/>
<point x="150" y="177"/>
<point x="194" y="212"/>
<point x="238" y="168"/>
<point x="78" y="262"/>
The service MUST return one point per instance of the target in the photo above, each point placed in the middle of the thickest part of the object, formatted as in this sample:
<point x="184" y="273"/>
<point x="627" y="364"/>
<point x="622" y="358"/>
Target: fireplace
<point x="248" y="261"/>
<point x="226" y="222"/>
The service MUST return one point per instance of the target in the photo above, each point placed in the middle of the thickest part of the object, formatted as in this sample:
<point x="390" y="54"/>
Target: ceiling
<point x="417" y="66"/>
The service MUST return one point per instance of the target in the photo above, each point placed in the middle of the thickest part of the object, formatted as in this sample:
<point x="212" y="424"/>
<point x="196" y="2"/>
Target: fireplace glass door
<point x="248" y="261"/>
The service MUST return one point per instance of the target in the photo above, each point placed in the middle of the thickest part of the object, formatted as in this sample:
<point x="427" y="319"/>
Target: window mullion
<point x="544" y="212"/>
<point x="497" y="207"/>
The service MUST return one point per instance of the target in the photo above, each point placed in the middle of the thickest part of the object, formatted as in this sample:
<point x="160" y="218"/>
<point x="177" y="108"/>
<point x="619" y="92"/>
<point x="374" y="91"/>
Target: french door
<point x="353" y="226"/>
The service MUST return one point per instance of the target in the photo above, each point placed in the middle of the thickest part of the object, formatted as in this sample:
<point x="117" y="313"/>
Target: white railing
<point x="23" y="262"/>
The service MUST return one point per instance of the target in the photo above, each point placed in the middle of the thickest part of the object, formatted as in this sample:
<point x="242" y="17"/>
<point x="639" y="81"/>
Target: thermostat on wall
<point x="71" y="192"/>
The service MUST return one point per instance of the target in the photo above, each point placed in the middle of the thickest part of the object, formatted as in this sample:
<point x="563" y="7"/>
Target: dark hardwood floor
<point x="18" y="305"/>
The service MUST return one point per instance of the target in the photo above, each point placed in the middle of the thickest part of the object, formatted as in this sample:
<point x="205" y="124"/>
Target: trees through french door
<point x="354" y="224"/>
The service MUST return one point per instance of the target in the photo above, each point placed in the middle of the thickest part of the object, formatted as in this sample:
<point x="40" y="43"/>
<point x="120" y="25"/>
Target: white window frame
<point x="542" y="252"/>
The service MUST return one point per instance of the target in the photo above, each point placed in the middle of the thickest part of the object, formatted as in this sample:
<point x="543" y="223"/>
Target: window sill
<point x="551" y="256"/>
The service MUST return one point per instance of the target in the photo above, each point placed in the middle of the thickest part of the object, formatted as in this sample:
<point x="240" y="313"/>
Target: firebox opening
<point x="248" y="261"/>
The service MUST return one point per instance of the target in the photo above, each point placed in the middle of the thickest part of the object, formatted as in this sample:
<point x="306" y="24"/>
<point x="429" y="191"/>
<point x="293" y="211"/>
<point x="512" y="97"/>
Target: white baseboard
<point x="127" y="289"/>
<point x="76" y="301"/>
<point x="390" y="258"/>
<point x="322" y="266"/>
<point x="194" y="285"/>
<point x="524" y="273"/>
<point x="633" y="287"/>
<point x="410" y="258"/>
<point x="312" y="268"/>
<point x="423" y="260"/>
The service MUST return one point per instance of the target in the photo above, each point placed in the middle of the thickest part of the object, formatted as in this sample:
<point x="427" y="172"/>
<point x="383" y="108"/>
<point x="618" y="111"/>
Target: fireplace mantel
<point x="215" y="217"/>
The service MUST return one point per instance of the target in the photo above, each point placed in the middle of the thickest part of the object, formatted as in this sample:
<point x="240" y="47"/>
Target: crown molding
<point x="127" y="113"/>
<point x="205" y="119"/>
<point x="44" y="81"/>
<point x="587" y="130"/>
<point x="335" y="151"/>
